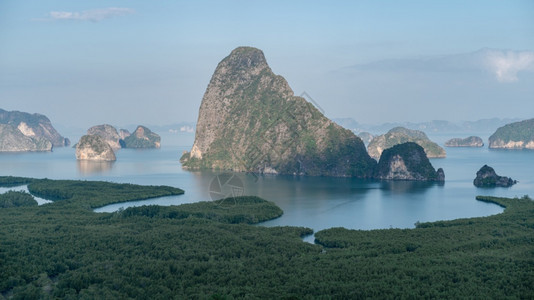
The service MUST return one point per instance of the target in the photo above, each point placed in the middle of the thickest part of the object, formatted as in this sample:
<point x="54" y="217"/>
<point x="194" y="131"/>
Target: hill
<point x="399" y="135"/>
<point x="250" y="121"/>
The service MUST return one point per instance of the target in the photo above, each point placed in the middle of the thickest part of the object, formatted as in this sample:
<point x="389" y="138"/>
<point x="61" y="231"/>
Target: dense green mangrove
<point x="210" y="250"/>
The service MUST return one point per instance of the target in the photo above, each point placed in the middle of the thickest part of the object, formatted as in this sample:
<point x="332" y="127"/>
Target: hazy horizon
<point x="133" y="62"/>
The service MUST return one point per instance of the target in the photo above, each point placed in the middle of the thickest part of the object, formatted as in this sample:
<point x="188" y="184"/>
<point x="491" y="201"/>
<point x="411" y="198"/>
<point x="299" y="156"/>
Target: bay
<point x="315" y="202"/>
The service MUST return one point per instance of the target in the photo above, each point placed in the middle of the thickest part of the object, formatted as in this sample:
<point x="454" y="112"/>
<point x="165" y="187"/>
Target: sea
<point x="314" y="202"/>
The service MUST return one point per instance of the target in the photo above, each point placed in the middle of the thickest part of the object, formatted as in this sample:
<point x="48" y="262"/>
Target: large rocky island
<point x="249" y="120"/>
<point x="518" y="135"/>
<point x="20" y="131"/>
<point x="399" y="135"/>
<point x="13" y="140"/>
<point x="472" y="141"/>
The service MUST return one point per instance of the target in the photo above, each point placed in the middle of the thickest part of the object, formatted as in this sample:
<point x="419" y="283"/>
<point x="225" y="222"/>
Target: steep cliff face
<point x="249" y="120"/>
<point x="399" y="135"/>
<point x="518" y="135"/>
<point x="472" y="141"/>
<point x="142" y="137"/>
<point x="486" y="177"/>
<point x="35" y="126"/>
<point x="95" y="148"/>
<point x="108" y="133"/>
<point x="13" y="140"/>
<point x="124" y="133"/>
<point x="407" y="161"/>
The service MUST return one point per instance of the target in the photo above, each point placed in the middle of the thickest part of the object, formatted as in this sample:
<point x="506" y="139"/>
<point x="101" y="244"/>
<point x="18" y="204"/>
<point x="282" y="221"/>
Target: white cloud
<point x="93" y="15"/>
<point x="506" y="64"/>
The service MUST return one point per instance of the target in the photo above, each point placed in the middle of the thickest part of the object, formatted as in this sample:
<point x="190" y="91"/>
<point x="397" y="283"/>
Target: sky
<point x="83" y="63"/>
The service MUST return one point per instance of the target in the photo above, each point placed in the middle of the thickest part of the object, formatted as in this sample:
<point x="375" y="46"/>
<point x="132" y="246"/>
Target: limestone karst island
<point x="22" y="132"/>
<point x="101" y="142"/>
<point x="251" y="121"/>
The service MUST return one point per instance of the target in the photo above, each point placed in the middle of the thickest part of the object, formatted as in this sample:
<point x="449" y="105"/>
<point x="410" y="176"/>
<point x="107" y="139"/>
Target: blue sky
<point x="127" y="62"/>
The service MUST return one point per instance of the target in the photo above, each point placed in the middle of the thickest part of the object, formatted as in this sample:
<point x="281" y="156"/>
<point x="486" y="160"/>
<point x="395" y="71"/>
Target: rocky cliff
<point x="13" y="140"/>
<point x="124" y="133"/>
<point x="407" y="161"/>
<point x="94" y="147"/>
<point x="142" y="137"/>
<point x="399" y="135"/>
<point x="486" y="177"/>
<point x="249" y="120"/>
<point x="108" y="133"/>
<point x="366" y="137"/>
<point x="472" y="141"/>
<point x="518" y="135"/>
<point x="35" y="126"/>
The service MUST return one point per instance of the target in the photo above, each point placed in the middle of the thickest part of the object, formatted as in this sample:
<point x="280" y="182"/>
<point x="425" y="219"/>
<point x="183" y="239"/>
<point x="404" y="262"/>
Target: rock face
<point x="472" y="141"/>
<point x="407" y="161"/>
<point x="108" y="133"/>
<point x="142" y="137"/>
<point x="366" y="137"/>
<point x="518" y="135"/>
<point x="399" y="135"/>
<point x="95" y="148"/>
<point x="486" y="177"/>
<point x="13" y="140"/>
<point x="123" y="133"/>
<point x="250" y="121"/>
<point x="34" y="126"/>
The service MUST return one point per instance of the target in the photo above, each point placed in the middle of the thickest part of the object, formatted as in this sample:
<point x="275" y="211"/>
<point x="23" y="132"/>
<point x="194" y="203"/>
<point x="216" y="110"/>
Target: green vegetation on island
<point x="10" y="181"/>
<point x="142" y="137"/>
<point x="518" y="135"/>
<point x="407" y="161"/>
<point x="251" y="121"/>
<point x="233" y="210"/>
<point x="95" y="194"/>
<point x="486" y="177"/>
<point x="95" y="148"/>
<point x="472" y="141"/>
<point x="16" y="199"/>
<point x="399" y="135"/>
<point x="65" y="250"/>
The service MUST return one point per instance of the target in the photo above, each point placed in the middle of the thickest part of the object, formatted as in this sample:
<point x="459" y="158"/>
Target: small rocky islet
<point x="108" y="133"/>
<point x="101" y="142"/>
<point x="487" y="177"/>
<point x="472" y="141"/>
<point x="95" y="148"/>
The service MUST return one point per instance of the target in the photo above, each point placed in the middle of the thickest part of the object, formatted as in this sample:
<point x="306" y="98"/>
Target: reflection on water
<point x="403" y="187"/>
<point x="315" y="202"/>
<point x="88" y="167"/>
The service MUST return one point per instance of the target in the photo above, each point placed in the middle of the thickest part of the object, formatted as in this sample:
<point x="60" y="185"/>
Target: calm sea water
<point x="315" y="202"/>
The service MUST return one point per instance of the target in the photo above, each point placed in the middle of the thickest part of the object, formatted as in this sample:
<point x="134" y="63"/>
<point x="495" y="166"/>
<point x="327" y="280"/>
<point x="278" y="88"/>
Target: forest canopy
<point x="209" y="250"/>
